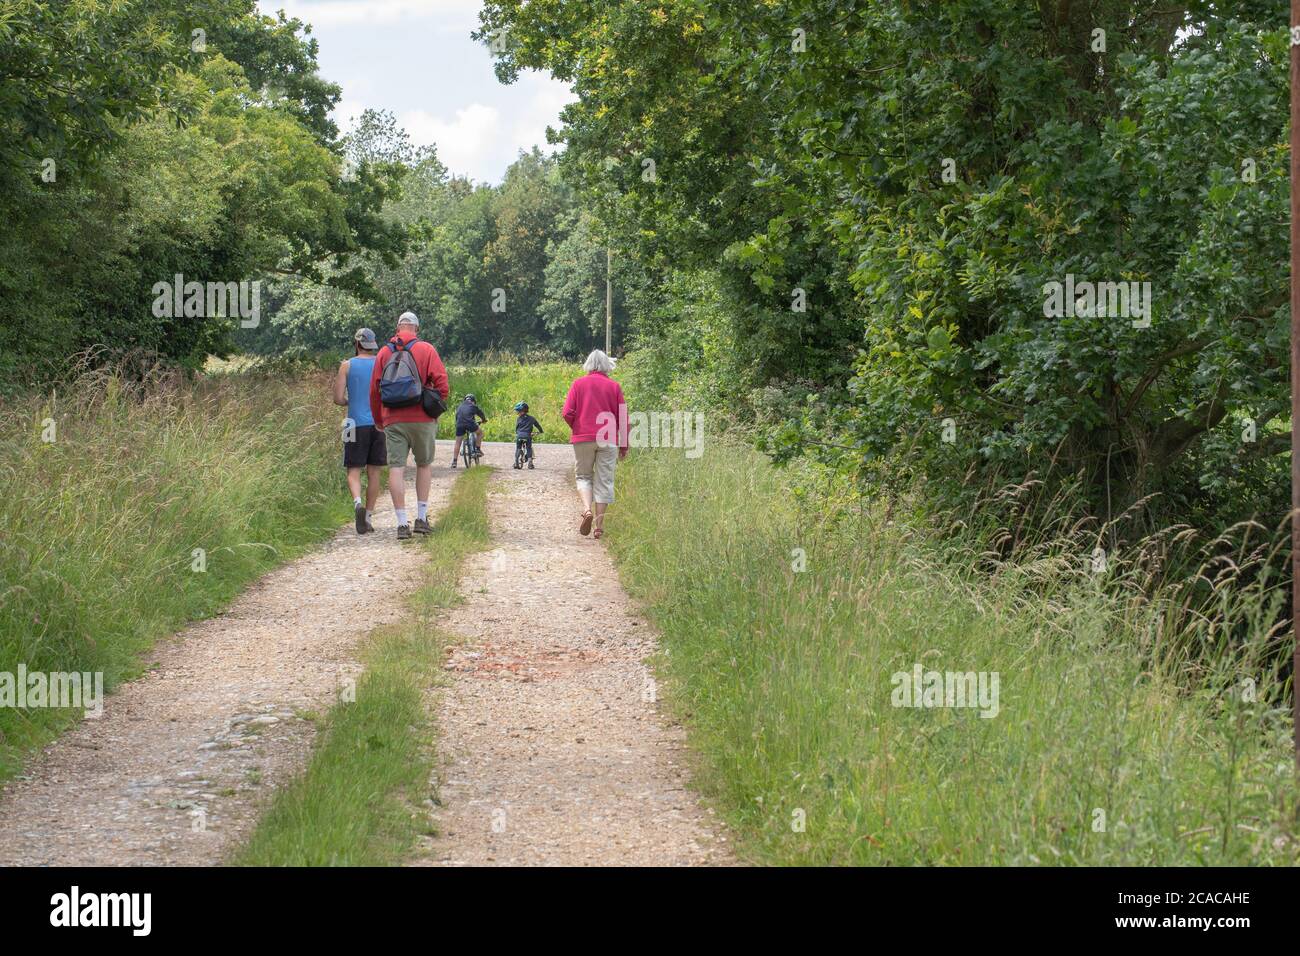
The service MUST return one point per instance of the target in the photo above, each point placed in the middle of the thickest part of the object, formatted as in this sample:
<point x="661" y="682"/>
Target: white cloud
<point x="470" y="144"/>
<point x="546" y="98"/>
<point x="348" y="111"/>
<point x="416" y="58"/>
<point x="481" y="140"/>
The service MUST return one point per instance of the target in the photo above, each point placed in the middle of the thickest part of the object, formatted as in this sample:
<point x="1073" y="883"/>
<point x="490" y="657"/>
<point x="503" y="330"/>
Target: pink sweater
<point x="595" y="406"/>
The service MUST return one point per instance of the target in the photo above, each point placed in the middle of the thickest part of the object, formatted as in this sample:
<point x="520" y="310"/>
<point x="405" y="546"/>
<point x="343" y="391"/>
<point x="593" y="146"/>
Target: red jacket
<point x="432" y="373"/>
<point x="595" y="407"/>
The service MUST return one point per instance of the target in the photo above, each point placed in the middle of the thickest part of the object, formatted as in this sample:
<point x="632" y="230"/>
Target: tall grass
<point x="357" y="803"/>
<point x="1112" y="743"/>
<point x="496" y="389"/>
<point x="101" y="528"/>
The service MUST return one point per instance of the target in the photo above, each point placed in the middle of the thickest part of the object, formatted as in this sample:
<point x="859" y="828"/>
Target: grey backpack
<point x="400" y="385"/>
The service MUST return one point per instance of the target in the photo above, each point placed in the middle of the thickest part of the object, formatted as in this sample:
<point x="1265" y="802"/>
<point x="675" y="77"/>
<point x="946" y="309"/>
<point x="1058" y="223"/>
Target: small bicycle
<point x="523" y="452"/>
<point x="469" y="449"/>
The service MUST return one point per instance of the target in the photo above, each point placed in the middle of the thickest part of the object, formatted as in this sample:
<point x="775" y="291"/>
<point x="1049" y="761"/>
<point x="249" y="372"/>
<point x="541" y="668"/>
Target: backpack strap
<point x="399" y="346"/>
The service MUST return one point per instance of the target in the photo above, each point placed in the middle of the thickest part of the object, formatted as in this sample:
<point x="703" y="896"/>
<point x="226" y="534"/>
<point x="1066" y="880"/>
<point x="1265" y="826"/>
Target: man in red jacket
<point x="409" y="430"/>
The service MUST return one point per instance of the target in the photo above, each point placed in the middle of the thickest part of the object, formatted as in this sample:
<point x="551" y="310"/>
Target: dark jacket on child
<point x="524" y="426"/>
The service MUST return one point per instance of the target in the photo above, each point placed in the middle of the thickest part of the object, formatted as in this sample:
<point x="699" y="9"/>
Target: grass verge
<point x="1104" y="749"/>
<point x="357" y="803"/>
<point x="131" y="508"/>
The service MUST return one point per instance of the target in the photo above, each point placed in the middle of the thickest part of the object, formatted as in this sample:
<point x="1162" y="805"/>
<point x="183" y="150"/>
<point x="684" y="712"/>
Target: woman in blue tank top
<point x="363" y="443"/>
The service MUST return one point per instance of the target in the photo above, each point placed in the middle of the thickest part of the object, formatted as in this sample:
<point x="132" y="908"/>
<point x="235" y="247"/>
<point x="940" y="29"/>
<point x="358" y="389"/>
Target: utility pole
<point x="609" y="293"/>
<point x="1295" y="372"/>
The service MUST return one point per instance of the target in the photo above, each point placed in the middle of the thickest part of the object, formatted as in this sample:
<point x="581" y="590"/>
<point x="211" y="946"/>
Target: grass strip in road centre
<point x="359" y="802"/>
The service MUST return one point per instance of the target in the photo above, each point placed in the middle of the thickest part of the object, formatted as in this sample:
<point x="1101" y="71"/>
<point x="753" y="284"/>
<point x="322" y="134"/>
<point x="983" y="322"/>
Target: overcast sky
<point x="416" y="58"/>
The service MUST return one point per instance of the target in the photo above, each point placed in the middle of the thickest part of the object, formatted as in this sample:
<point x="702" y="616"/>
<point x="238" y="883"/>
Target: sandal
<point x="585" y="527"/>
<point x="600" y="528"/>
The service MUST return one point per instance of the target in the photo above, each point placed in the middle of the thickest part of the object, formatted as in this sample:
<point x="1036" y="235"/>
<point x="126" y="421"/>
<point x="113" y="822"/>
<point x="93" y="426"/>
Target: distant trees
<point x="511" y="267"/>
<point x="573" y="304"/>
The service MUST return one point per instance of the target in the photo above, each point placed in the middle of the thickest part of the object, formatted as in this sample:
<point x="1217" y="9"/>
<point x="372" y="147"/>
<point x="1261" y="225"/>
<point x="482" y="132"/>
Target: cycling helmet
<point x="521" y="407"/>
<point x="469" y="398"/>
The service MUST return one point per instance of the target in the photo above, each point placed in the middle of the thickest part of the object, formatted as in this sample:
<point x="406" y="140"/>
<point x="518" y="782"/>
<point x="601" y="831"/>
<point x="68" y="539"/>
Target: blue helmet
<point x="521" y="407"/>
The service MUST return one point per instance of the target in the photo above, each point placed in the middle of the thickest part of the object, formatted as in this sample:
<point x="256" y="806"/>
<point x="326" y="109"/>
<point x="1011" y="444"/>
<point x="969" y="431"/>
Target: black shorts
<point x="463" y="430"/>
<point x="368" y="448"/>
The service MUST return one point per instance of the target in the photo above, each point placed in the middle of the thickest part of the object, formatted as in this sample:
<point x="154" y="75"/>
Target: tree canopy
<point x="918" y="178"/>
<point x="144" y="140"/>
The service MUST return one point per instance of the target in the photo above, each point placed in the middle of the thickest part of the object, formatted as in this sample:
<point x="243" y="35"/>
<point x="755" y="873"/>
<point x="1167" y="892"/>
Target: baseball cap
<point x="410" y="318"/>
<point x="366" y="339"/>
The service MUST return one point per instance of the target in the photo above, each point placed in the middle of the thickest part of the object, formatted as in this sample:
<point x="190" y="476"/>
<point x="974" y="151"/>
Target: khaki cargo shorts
<point x="418" y="438"/>
<point x="593" y="467"/>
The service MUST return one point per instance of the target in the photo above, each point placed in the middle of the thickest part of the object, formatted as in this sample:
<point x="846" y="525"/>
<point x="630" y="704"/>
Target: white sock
<point x="401" y="516"/>
<point x="356" y="501"/>
<point x="368" y="514"/>
<point x="422" y="510"/>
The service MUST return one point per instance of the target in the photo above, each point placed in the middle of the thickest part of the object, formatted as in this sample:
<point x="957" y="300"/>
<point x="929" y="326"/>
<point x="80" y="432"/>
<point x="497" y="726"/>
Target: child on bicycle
<point x="468" y="415"/>
<point x="524" y="426"/>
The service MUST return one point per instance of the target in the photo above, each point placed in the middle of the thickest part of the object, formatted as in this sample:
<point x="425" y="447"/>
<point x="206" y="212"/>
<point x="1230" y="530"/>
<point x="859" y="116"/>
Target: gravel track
<point x="185" y="757"/>
<point x="555" y="751"/>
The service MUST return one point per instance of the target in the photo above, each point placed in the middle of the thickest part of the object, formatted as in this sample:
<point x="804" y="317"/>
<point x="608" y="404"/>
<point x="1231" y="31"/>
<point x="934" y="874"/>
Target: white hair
<point x="408" y="318"/>
<point x="598" y="361"/>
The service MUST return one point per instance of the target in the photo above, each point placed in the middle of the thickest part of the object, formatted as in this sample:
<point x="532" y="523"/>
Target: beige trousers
<point x="594" y="467"/>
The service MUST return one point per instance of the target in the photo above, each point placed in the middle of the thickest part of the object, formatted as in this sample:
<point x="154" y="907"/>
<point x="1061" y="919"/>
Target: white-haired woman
<point x="597" y="417"/>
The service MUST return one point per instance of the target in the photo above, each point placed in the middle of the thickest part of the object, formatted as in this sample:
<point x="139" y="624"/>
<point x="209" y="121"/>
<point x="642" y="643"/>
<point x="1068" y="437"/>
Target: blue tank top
<point x="359" y="370"/>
